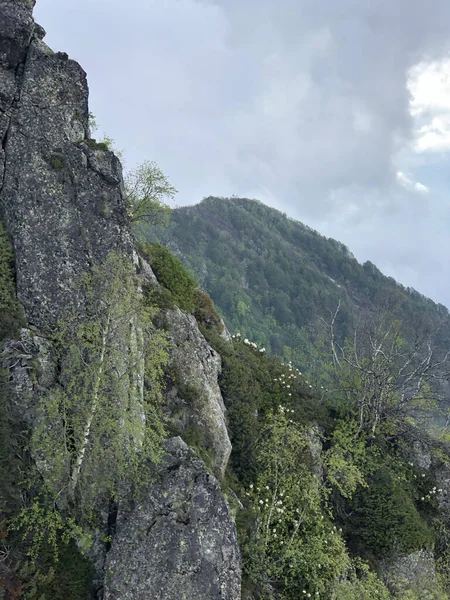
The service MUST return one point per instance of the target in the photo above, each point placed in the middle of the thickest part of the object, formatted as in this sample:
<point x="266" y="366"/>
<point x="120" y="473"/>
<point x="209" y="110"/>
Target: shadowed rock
<point x="180" y="542"/>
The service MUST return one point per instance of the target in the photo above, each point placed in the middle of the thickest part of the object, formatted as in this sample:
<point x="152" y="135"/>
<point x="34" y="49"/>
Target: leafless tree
<point x="384" y="377"/>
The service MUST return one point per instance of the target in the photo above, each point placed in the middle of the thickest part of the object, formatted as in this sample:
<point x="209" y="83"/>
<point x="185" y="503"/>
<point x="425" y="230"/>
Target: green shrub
<point x="67" y="579"/>
<point x="171" y="274"/>
<point x="10" y="313"/>
<point x="251" y="384"/>
<point x="205" y="312"/>
<point x="385" y="520"/>
<point x="56" y="161"/>
<point x="361" y="584"/>
<point x="94" y="145"/>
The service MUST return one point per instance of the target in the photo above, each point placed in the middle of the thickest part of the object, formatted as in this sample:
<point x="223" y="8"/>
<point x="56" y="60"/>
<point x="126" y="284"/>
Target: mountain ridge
<point x="271" y="275"/>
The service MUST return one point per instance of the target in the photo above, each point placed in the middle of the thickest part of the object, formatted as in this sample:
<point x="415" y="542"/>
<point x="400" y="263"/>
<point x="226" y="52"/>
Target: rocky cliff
<point x="117" y="407"/>
<point x="62" y="203"/>
<point x="61" y="197"/>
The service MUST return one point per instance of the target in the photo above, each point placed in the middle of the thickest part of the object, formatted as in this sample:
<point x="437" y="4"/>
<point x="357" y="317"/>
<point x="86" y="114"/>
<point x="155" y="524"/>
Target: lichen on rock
<point x="179" y="541"/>
<point x="197" y="366"/>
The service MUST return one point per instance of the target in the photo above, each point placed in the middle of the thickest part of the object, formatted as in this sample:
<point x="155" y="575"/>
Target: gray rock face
<point x="179" y="543"/>
<point x="413" y="572"/>
<point x="16" y="26"/>
<point x="62" y="202"/>
<point x="421" y="456"/>
<point x="30" y="364"/>
<point x="199" y="400"/>
<point x="60" y="198"/>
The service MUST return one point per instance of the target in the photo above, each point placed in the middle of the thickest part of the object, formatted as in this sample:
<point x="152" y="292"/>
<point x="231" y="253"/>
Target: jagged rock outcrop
<point x="196" y="398"/>
<point x="415" y="571"/>
<point x="179" y="542"/>
<point x="60" y="194"/>
<point x="62" y="202"/>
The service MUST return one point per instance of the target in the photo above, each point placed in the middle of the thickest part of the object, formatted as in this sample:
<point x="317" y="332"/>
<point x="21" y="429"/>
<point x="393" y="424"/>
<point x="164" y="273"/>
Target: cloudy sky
<point x="334" y="111"/>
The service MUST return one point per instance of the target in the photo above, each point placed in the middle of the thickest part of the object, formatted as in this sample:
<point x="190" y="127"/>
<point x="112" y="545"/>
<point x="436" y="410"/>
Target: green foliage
<point x="42" y="559"/>
<point x="345" y="463"/>
<point x="70" y="578"/>
<point x="205" y="312"/>
<point x="385" y="520"/>
<point x="361" y="584"/>
<point x="10" y="463"/>
<point x="146" y="192"/>
<point x="366" y="486"/>
<point x="92" y="121"/>
<point x="253" y="385"/>
<point x="442" y="554"/>
<point x="286" y="532"/>
<point x="10" y="313"/>
<point x="56" y="161"/>
<point x="42" y="526"/>
<point x="294" y="542"/>
<point x="44" y="579"/>
<point x="93" y="435"/>
<point x="172" y="275"/>
<point x="103" y="146"/>
<point x="272" y="278"/>
<point x="94" y="440"/>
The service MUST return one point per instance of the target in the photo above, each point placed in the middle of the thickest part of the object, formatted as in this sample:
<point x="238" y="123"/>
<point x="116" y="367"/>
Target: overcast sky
<point x="334" y="111"/>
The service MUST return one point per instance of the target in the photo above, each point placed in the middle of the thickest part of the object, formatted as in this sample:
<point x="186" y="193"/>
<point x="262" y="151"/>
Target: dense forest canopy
<point x="275" y="279"/>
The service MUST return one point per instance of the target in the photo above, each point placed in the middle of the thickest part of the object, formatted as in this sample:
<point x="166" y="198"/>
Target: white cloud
<point x="410" y="185"/>
<point x="429" y="86"/>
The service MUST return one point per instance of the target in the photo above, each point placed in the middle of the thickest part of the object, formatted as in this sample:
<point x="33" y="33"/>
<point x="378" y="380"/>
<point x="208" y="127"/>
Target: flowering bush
<point x="294" y="542"/>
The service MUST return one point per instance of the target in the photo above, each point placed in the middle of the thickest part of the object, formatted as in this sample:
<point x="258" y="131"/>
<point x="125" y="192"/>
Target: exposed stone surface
<point x="62" y="202"/>
<point x="145" y="270"/>
<point x="196" y="367"/>
<point x="31" y="367"/>
<point x="443" y="490"/>
<point x="421" y="455"/>
<point x="16" y="27"/>
<point x="179" y="543"/>
<point x="416" y="572"/>
<point x="60" y="198"/>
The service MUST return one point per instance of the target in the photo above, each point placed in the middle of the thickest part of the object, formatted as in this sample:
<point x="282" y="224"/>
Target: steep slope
<point x="120" y="390"/>
<point x="273" y="278"/>
<point x="82" y="365"/>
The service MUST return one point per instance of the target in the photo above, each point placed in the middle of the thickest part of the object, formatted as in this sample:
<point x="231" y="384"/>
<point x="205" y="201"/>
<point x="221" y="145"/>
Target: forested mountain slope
<point x="275" y="279"/>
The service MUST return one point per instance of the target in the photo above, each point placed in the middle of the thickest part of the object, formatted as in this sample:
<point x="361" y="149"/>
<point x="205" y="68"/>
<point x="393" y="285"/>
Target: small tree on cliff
<point x="146" y="192"/>
<point x="97" y="428"/>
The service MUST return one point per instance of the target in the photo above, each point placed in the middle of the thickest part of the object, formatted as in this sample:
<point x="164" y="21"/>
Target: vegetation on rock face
<point x="179" y="286"/>
<point x="101" y="431"/>
<point x="103" y="146"/>
<point x="385" y="521"/>
<point x="10" y="313"/>
<point x="319" y="490"/>
<point x="96" y="432"/>
<point x="326" y="494"/>
<point x="289" y="541"/>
